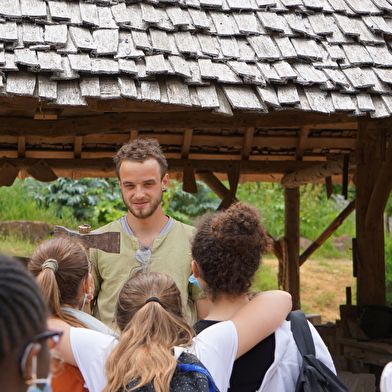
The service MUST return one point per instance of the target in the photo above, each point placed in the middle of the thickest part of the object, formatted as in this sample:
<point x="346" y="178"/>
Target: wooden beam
<point x="8" y="173"/>
<point x="292" y="207"/>
<point x="247" y="143"/>
<point x="380" y="193"/>
<point x="309" y="175"/>
<point x="233" y="173"/>
<point x="21" y="146"/>
<point x="242" y="144"/>
<point x="370" y="243"/>
<point x="119" y="122"/>
<point x="175" y="165"/>
<point x="327" y="232"/>
<point x="186" y="143"/>
<point x="303" y="136"/>
<point x="188" y="180"/>
<point x="213" y="183"/>
<point x="78" y="143"/>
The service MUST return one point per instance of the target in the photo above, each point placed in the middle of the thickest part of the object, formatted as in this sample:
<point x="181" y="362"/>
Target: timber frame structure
<point x="289" y="91"/>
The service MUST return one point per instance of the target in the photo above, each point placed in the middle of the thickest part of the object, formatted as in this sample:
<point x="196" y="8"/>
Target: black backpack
<point x="314" y="375"/>
<point x="190" y="376"/>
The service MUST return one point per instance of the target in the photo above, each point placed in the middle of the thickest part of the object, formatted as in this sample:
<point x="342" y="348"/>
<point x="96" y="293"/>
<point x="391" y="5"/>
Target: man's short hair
<point x="140" y="150"/>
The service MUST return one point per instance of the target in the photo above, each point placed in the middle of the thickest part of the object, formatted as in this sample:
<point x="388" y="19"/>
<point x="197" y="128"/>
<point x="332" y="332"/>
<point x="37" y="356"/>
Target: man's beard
<point x="143" y="213"/>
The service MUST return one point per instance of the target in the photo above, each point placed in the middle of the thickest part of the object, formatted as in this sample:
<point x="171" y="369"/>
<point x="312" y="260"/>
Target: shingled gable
<point x="175" y="63"/>
<point x="326" y="56"/>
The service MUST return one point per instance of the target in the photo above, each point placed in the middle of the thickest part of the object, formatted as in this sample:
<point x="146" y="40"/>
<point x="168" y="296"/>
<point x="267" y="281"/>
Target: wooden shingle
<point x="120" y="14"/>
<point x="244" y="98"/>
<point x="32" y="33"/>
<point x="33" y="9"/>
<point x="11" y="8"/>
<point x="21" y="83"/>
<point x="109" y="88"/>
<point x="199" y="18"/>
<point x="288" y="94"/>
<point x="177" y="92"/>
<point x="104" y="66"/>
<point x="47" y="88"/>
<point x="89" y="13"/>
<point x="27" y="57"/>
<point x="247" y="23"/>
<point x="306" y="48"/>
<point x="106" y="41"/>
<point x="224" y="23"/>
<point x="208" y="96"/>
<point x="365" y="103"/>
<point x="264" y="47"/>
<point x="127" y="87"/>
<point x="126" y="47"/>
<point x="381" y="110"/>
<point x="180" y="66"/>
<point x="268" y="95"/>
<point x="105" y="18"/>
<point x="49" y="61"/>
<point x="229" y="48"/>
<point x="159" y="41"/>
<point x="357" y="55"/>
<point x="186" y="43"/>
<point x="8" y="32"/>
<point x="89" y="86"/>
<point x="318" y="100"/>
<point x="80" y="62"/>
<point x="155" y="64"/>
<point x="209" y="44"/>
<point x="363" y="7"/>
<point x="56" y="35"/>
<point x="59" y="10"/>
<point x="178" y="17"/>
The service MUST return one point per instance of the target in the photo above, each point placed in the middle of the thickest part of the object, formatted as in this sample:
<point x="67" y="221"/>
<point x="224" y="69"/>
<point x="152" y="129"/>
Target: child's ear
<point x="195" y="269"/>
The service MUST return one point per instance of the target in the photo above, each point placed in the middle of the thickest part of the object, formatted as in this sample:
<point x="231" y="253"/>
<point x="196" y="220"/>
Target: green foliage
<point x="184" y="206"/>
<point x="265" y="279"/>
<point x="316" y="212"/>
<point x="90" y="200"/>
<point x="17" y="204"/>
<point x="388" y="267"/>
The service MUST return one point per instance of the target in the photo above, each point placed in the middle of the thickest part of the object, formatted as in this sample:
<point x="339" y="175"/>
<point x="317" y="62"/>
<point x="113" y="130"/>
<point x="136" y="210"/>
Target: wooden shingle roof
<point x="325" y="56"/>
<point x="220" y="80"/>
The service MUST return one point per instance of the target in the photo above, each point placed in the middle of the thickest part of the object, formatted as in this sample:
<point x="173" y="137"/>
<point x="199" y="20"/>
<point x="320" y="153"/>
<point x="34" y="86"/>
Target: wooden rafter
<point x="248" y="142"/>
<point x="303" y="136"/>
<point x="318" y="171"/>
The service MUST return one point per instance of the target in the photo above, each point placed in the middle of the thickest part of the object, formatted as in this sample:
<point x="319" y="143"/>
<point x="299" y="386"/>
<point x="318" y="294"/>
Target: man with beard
<point x="150" y="239"/>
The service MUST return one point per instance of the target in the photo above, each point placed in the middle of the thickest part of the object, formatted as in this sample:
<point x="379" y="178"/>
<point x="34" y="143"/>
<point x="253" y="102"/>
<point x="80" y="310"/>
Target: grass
<point x="14" y="245"/>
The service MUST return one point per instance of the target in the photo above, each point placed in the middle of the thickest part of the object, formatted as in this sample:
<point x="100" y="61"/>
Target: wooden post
<point x="292" y="209"/>
<point x="370" y="263"/>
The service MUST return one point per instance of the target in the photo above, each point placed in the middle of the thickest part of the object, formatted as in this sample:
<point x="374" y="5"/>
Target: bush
<point x="388" y="268"/>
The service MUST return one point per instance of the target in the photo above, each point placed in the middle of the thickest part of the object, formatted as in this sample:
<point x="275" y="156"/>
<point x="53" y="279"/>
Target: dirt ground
<point x="323" y="286"/>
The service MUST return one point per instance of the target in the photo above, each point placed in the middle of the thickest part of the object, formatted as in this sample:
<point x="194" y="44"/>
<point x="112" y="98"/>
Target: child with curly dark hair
<point x="227" y="249"/>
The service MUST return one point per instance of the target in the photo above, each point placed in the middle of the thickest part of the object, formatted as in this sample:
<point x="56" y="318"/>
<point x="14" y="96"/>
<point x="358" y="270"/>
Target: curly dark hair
<point x="227" y="247"/>
<point x="140" y="150"/>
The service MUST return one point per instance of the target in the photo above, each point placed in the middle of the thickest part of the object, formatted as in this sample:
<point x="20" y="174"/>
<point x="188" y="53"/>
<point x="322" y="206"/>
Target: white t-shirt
<point x="216" y="347"/>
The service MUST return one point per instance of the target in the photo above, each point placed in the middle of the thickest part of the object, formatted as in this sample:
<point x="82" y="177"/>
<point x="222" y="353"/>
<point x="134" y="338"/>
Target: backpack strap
<point x="184" y="367"/>
<point x="301" y="332"/>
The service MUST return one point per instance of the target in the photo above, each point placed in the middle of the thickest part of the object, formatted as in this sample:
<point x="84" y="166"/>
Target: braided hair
<point x="23" y="311"/>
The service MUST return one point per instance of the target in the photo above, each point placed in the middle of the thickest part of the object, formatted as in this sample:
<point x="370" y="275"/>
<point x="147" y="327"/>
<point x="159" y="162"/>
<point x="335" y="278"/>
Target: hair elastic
<point x="153" y="299"/>
<point x="50" y="263"/>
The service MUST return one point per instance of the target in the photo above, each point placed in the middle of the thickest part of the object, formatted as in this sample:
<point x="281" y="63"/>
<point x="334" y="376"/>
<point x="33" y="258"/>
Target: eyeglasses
<point x="54" y="337"/>
<point x="143" y="256"/>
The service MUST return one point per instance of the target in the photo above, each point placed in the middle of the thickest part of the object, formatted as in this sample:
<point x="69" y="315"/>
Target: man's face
<point x="142" y="187"/>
